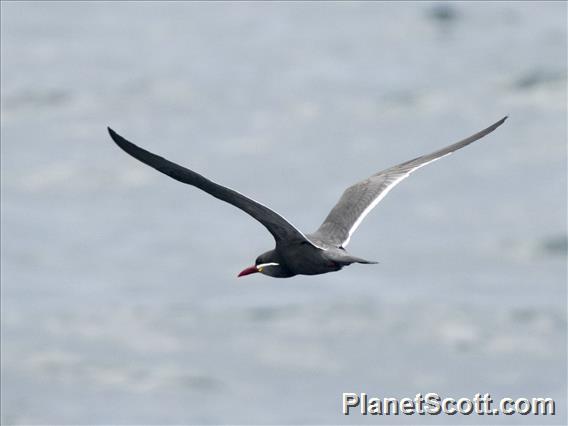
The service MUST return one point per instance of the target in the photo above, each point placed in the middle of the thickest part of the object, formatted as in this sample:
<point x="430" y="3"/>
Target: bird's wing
<point x="358" y="200"/>
<point x="282" y="230"/>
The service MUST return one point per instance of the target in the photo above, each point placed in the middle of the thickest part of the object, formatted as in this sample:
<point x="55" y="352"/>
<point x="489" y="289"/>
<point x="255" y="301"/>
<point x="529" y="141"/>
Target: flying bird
<point x="297" y="253"/>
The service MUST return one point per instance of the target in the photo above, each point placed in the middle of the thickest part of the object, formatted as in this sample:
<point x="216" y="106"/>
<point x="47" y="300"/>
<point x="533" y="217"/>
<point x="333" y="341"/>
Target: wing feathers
<point x="280" y="228"/>
<point x="359" y="199"/>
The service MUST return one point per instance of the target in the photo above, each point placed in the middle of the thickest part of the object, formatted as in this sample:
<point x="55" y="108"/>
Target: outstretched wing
<point x="358" y="200"/>
<point x="282" y="230"/>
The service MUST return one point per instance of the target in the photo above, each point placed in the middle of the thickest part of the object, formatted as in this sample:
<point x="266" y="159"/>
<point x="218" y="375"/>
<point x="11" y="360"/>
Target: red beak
<point x="247" y="271"/>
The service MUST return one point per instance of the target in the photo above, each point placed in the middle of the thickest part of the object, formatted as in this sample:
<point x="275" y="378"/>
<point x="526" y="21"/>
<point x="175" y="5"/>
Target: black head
<point x="268" y="263"/>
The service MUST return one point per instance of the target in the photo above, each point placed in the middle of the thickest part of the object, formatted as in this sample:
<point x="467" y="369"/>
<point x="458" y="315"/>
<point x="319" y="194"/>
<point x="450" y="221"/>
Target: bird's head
<point x="268" y="263"/>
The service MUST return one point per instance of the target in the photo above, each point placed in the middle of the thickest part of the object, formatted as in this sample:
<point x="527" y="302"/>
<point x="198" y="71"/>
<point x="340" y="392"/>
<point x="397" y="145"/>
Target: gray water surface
<point x="120" y="303"/>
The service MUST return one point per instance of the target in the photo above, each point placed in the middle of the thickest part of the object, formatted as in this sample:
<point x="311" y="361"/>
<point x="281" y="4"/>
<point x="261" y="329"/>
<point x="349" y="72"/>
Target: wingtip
<point x="498" y="123"/>
<point x="115" y="136"/>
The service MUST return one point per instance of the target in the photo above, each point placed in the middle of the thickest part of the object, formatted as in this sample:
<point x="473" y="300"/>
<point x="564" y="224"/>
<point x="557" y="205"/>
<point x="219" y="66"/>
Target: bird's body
<point x="297" y="253"/>
<point x="305" y="259"/>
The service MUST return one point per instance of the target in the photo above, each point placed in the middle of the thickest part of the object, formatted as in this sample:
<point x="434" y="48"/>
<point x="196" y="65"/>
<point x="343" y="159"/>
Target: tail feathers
<point x="367" y="262"/>
<point x="353" y="259"/>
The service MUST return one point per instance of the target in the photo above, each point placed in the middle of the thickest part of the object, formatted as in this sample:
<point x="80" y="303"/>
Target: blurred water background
<point x="120" y="302"/>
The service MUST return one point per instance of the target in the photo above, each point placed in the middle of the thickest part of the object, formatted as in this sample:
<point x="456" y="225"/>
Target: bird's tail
<point x="366" y="262"/>
<point x="353" y="259"/>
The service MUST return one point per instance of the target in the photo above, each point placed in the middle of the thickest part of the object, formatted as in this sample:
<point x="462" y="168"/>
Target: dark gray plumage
<point x="280" y="228"/>
<point x="297" y="253"/>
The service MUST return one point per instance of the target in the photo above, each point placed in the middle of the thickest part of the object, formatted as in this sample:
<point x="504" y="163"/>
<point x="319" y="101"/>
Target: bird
<point x="296" y="253"/>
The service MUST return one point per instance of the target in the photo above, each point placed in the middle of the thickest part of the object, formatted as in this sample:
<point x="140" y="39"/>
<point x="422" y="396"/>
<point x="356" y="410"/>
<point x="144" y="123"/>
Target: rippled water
<point x="120" y="302"/>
